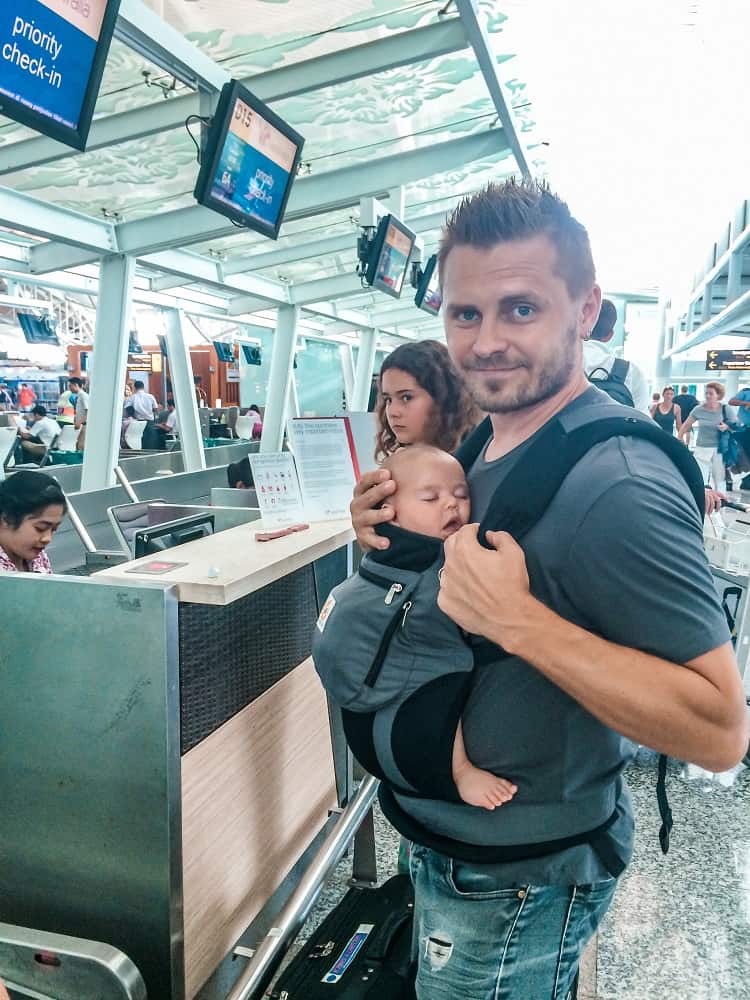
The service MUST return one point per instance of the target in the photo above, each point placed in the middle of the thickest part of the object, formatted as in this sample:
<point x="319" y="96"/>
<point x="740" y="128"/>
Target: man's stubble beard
<point x="550" y="379"/>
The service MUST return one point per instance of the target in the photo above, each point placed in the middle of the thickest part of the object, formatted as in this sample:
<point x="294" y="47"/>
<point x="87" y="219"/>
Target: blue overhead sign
<point x="52" y="55"/>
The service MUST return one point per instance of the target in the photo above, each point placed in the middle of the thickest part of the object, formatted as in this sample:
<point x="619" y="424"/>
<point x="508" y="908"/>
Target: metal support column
<point x="293" y="398"/>
<point x="663" y="367"/>
<point x="185" y="403"/>
<point x="731" y="382"/>
<point x="108" y="370"/>
<point x="734" y="276"/>
<point x="347" y="370"/>
<point x="363" y="377"/>
<point x="279" y="378"/>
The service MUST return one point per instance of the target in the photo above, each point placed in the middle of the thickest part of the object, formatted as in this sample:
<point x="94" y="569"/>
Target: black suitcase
<point x="361" y="950"/>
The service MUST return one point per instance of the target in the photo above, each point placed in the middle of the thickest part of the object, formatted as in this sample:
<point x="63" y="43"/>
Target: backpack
<point x="613" y="381"/>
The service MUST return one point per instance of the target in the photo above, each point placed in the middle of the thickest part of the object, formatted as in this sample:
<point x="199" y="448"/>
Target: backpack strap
<point x="527" y="491"/>
<point x="619" y="370"/>
<point x="470" y="449"/>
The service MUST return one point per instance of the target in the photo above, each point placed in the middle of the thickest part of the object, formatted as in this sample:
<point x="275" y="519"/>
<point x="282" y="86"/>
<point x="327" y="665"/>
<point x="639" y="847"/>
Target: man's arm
<point x="737" y="401"/>
<point x="695" y="711"/>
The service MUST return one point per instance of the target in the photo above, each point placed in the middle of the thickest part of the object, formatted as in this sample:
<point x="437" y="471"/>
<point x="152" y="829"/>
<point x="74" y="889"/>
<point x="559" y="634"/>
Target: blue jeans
<point x="477" y="938"/>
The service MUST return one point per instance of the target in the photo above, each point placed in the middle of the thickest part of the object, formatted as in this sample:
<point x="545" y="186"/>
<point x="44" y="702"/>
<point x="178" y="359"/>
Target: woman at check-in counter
<point x="422" y="400"/>
<point x="32" y="505"/>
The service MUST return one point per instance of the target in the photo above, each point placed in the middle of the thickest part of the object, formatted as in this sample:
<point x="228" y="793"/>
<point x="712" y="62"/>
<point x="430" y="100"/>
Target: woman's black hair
<point x="240" y="472"/>
<point x="27" y="493"/>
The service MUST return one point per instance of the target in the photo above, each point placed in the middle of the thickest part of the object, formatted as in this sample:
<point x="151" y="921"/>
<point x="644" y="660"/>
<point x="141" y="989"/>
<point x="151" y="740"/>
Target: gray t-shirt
<point x="708" y="426"/>
<point x="619" y="552"/>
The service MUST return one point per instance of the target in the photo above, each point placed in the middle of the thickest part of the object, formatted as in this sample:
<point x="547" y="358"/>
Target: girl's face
<point x="409" y="409"/>
<point x="711" y="395"/>
<point x="33" y="534"/>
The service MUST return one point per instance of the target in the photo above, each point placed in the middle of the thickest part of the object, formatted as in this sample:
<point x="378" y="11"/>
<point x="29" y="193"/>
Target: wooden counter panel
<point x="242" y="564"/>
<point x="254" y="794"/>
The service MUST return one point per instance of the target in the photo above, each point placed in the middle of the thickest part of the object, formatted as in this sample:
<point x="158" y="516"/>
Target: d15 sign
<point x="727" y="361"/>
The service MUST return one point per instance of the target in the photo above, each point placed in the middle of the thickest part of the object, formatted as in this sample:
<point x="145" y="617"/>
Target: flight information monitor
<point x="224" y="352"/>
<point x="38" y="331"/>
<point x="250" y="162"/>
<point x="52" y="56"/>
<point x="251" y="354"/>
<point x="389" y="256"/>
<point x="428" y="295"/>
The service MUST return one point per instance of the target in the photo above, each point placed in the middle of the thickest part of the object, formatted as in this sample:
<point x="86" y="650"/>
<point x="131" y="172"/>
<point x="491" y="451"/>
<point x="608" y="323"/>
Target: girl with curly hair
<point x="422" y="400"/>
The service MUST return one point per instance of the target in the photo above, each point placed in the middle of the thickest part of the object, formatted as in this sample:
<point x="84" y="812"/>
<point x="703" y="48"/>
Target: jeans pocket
<point x="480" y="882"/>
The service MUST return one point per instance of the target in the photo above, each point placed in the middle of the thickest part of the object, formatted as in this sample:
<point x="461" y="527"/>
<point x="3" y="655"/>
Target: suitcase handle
<point x="382" y="941"/>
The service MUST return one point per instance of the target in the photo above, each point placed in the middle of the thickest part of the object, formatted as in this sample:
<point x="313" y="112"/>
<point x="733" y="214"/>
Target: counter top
<point x="243" y="564"/>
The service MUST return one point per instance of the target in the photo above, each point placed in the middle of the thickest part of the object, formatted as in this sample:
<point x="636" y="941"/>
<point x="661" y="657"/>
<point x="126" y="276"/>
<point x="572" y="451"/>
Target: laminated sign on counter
<point x="277" y="488"/>
<point x="326" y="463"/>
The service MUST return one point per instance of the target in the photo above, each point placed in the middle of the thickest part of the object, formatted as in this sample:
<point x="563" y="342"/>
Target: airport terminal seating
<point x="134" y="434"/>
<point x="68" y="438"/>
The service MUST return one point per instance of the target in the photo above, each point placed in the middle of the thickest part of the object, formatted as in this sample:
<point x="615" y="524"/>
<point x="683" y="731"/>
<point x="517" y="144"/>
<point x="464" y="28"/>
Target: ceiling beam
<point x="725" y="323"/>
<point x="310" y="196"/>
<point x="479" y="40"/>
<point x="68" y="229"/>
<point x="303" y="77"/>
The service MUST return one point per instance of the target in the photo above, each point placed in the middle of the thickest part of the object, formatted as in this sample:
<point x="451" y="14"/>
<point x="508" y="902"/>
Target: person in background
<point x="422" y="400"/>
<point x="711" y="417"/>
<point x="655" y="397"/>
<point x="146" y="408"/>
<point x="372" y="400"/>
<point x="6" y="400"/>
<point x="26" y="397"/>
<point x="126" y="422"/>
<point x="66" y="407"/>
<point x="254" y="413"/>
<point x="82" y="410"/>
<point x="32" y="505"/>
<point x="598" y="356"/>
<point x="200" y="393"/>
<point x="41" y="433"/>
<point x="742" y="402"/>
<point x="686" y="401"/>
<point x="667" y="413"/>
<point x="240" y="475"/>
<point x="168" y="425"/>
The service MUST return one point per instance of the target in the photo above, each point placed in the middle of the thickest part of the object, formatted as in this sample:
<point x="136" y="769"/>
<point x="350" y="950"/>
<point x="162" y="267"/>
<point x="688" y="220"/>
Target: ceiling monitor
<point x="250" y="162"/>
<point x="252" y="354"/>
<point x="38" y="330"/>
<point x="52" y="56"/>
<point x="429" y="297"/>
<point x="389" y="256"/>
<point x="224" y="352"/>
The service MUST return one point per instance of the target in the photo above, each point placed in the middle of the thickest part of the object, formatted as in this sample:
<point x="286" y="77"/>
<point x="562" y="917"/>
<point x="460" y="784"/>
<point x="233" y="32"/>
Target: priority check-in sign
<point x="727" y="361"/>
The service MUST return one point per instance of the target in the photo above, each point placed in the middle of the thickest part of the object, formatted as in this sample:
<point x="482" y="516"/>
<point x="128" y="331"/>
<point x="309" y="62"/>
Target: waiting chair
<point x="42" y="964"/>
<point x="244" y="428"/>
<point x="42" y="459"/>
<point x="8" y="438"/>
<point x="134" y="434"/>
<point x="68" y="440"/>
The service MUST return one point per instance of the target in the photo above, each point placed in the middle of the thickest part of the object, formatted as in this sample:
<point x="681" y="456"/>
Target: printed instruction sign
<point x="323" y="452"/>
<point x="278" y="490"/>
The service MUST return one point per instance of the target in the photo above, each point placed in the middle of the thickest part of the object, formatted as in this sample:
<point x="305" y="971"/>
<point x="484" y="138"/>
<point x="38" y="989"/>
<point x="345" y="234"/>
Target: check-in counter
<point x="168" y="755"/>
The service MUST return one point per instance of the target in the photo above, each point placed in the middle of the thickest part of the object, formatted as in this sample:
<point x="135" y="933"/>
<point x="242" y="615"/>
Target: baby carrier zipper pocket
<point x="400" y="615"/>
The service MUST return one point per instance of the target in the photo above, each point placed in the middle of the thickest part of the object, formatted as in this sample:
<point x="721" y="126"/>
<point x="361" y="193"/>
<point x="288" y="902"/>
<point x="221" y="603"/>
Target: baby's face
<point x="432" y="496"/>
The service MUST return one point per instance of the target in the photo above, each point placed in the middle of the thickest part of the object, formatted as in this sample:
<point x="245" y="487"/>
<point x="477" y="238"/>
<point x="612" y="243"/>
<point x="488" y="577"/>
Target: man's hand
<point x="713" y="500"/>
<point x="369" y="492"/>
<point x="483" y="591"/>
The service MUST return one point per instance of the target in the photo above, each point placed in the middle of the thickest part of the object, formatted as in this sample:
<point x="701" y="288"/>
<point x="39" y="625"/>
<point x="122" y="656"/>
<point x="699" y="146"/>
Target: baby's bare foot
<point x="482" y="788"/>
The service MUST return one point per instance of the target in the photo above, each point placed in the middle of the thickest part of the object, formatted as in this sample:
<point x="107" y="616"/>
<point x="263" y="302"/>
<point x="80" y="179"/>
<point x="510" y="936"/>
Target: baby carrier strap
<point x="531" y="485"/>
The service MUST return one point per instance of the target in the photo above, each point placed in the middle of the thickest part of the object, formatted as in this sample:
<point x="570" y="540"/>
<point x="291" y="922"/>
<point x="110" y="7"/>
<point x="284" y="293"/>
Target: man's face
<point x="512" y="327"/>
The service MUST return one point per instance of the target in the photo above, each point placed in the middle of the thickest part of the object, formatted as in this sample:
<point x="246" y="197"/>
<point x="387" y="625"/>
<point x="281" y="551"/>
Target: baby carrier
<point x="396" y="695"/>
